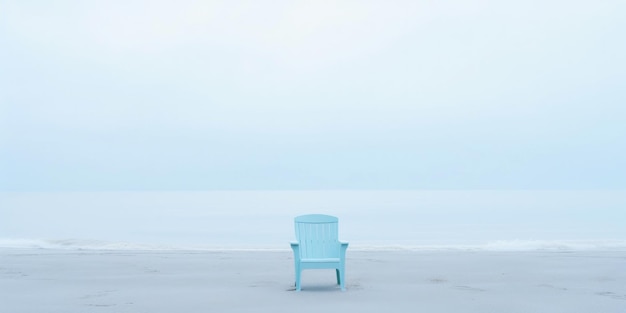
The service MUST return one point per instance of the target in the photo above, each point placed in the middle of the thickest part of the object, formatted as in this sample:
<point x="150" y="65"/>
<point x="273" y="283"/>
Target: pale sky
<point x="197" y="95"/>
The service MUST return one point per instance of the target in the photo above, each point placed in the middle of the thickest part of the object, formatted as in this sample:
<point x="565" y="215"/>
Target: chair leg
<point x="342" y="279"/>
<point x="338" y="277"/>
<point x="298" y="285"/>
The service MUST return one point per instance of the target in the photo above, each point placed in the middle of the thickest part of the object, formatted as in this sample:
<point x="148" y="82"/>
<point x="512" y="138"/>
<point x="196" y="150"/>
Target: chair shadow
<point x="317" y="288"/>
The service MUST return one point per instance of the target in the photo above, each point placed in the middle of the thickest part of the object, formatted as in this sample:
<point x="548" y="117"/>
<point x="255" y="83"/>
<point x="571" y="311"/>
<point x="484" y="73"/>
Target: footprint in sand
<point x="552" y="287"/>
<point x="468" y="288"/>
<point x="611" y="295"/>
<point x="9" y="273"/>
<point x="100" y="294"/>
<point x="94" y="299"/>
<point x="101" y="305"/>
<point x="438" y="280"/>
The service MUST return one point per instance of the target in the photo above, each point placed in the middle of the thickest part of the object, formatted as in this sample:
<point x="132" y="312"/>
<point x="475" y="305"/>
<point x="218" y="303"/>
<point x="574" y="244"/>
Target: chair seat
<point x="326" y="260"/>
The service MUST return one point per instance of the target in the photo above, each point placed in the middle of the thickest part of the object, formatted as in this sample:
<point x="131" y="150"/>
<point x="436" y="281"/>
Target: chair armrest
<point x="295" y="246"/>
<point x="344" y="247"/>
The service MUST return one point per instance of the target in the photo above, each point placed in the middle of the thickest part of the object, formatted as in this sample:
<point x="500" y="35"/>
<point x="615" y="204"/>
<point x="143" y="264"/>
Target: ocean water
<point x="447" y="219"/>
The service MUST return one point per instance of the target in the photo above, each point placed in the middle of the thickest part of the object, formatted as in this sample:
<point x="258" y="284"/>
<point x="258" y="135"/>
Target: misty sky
<point x="194" y="95"/>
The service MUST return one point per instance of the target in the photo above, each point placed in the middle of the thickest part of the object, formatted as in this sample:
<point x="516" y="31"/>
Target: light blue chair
<point x="318" y="246"/>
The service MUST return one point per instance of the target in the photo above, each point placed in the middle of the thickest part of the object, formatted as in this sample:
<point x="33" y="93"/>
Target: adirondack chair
<point x="318" y="247"/>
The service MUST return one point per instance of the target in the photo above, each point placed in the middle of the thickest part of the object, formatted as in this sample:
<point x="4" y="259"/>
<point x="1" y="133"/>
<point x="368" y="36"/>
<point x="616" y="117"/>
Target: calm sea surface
<point x="264" y="219"/>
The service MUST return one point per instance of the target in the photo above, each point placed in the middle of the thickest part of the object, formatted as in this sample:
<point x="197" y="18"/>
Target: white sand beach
<point x="255" y="281"/>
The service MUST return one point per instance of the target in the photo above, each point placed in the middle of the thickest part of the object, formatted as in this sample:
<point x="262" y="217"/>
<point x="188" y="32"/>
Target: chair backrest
<point x="318" y="236"/>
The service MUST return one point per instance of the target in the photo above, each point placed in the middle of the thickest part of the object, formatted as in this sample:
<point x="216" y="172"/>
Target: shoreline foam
<point x="501" y="245"/>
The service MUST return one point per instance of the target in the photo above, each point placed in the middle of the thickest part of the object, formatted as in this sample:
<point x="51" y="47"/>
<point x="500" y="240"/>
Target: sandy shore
<point x="256" y="281"/>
